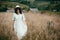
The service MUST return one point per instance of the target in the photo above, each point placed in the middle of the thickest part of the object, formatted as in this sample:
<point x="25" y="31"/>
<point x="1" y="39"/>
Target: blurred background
<point x="41" y="5"/>
<point x="42" y="19"/>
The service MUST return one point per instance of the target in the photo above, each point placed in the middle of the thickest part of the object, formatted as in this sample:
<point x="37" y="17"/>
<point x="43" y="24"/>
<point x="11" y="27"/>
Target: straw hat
<point x="17" y="6"/>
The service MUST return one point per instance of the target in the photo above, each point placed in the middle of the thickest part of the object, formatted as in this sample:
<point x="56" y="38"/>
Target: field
<point x="40" y="26"/>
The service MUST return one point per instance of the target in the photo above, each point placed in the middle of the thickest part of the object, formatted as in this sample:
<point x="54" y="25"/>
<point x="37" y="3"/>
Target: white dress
<point x="20" y="26"/>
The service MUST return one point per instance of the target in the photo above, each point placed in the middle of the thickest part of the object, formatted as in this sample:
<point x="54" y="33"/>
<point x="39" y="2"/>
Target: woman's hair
<point x="18" y="8"/>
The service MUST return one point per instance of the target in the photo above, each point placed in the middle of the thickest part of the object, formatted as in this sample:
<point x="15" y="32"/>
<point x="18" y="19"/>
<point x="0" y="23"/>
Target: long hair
<point x="18" y="8"/>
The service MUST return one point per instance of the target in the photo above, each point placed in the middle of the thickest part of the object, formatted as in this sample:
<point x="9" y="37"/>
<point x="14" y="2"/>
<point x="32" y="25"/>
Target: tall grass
<point x="39" y="27"/>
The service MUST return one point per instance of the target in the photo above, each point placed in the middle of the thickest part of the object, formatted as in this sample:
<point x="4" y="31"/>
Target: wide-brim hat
<point x="17" y="6"/>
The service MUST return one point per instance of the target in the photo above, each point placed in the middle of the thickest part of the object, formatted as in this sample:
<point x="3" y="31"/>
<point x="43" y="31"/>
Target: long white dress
<point x="20" y="26"/>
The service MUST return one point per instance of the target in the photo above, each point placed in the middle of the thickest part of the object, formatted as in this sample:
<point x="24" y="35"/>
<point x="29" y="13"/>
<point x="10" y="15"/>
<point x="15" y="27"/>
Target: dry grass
<point x="40" y="27"/>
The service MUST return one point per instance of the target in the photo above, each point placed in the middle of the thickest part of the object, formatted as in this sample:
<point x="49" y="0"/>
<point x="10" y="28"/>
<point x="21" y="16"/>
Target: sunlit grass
<point x="38" y="27"/>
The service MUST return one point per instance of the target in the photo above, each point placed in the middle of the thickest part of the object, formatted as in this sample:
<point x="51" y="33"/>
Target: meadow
<point x="40" y="26"/>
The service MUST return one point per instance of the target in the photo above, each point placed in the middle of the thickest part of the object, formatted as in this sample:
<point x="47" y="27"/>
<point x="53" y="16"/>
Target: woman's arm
<point x="13" y="24"/>
<point x="24" y="18"/>
<point x="13" y="19"/>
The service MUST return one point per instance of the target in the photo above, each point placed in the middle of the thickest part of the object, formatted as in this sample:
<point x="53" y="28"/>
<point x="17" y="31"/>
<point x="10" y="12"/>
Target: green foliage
<point x="3" y="8"/>
<point x="54" y="5"/>
<point x="26" y="8"/>
<point x="13" y="5"/>
<point x="41" y="5"/>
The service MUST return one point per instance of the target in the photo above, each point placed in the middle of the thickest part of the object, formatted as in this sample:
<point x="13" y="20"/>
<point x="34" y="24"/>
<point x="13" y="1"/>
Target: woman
<point x="20" y="26"/>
